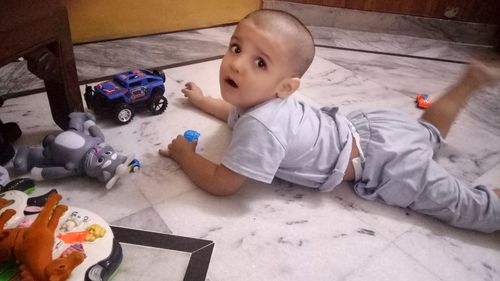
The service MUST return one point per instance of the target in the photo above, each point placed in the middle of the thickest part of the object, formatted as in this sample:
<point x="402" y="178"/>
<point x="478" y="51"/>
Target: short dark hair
<point x="301" y="41"/>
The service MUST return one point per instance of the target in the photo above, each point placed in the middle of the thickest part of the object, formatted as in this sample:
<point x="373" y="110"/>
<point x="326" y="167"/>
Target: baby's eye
<point x="260" y="63"/>
<point x="235" y="48"/>
<point x="107" y="153"/>
<point x="100" y="160"/>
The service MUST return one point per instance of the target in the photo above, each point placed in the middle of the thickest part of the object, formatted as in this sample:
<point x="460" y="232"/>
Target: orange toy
<point x="3" y="202"/>
<point x="32" y="247"/>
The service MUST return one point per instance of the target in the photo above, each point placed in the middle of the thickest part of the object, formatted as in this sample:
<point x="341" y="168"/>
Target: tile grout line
<point x="390" y="54"/>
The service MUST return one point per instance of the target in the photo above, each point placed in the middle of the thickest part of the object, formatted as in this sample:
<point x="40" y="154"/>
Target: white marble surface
<point x="371" y="41"/>
<point x="145" y="264"/>
<point x="282" y="232"/>
<point x="457" y="31"/>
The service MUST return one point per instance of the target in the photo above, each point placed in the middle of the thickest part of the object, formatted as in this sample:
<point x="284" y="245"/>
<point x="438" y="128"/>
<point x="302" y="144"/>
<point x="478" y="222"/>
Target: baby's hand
<point x="178" y="148"/>
<point x="482" y="74"/>
<point x="193" y="93"/>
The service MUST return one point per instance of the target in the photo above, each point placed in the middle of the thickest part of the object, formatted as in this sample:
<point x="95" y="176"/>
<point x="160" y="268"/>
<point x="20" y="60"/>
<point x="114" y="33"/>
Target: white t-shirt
<point x="290" y="140"/>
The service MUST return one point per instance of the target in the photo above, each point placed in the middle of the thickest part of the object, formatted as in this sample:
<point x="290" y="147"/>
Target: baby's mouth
<point x="231" y="82"/>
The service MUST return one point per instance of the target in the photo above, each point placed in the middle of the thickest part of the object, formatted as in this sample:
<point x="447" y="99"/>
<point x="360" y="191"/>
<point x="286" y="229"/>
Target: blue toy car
<point x="128" y="90"/>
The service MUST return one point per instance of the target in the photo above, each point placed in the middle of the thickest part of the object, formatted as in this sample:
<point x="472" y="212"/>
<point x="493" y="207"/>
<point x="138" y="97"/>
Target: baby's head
<point x="268" y="53"/>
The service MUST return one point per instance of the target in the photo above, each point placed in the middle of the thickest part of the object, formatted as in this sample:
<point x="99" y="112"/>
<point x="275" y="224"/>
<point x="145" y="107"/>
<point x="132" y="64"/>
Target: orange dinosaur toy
<point x="3" y="202"/>
<point x="32" y="247"/>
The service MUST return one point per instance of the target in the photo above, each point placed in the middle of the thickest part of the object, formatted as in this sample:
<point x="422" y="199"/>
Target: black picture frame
<point x="200" y="250"/>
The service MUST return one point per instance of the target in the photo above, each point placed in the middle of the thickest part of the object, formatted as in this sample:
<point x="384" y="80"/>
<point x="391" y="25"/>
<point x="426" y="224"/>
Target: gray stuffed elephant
<point x="80" y="150"/>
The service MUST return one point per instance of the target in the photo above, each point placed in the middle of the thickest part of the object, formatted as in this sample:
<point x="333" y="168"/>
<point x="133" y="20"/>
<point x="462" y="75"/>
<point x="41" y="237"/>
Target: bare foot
<point x="481" y="74"/>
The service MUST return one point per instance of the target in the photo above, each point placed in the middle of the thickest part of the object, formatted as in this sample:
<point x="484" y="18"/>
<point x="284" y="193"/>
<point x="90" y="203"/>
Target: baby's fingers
<point x="164" y="152"/>
<point x="191" y="85"/>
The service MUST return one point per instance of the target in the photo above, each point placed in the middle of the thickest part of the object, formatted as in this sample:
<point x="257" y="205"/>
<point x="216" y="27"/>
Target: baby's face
<point x="253" y="66"/>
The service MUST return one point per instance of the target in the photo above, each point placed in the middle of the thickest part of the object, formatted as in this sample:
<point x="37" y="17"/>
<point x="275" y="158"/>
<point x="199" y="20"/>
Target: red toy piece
<point x="423" y="101"/>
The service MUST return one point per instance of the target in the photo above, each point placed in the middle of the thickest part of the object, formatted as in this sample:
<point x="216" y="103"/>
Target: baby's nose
<point x="237" y="65"/>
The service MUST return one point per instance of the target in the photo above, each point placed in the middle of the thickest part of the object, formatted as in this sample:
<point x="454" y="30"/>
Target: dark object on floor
<point x="39" y="201"/>
<point x="9" y="132"/>
<point x="25" y="185"/>
<point x="39" y="32"/>
<point x="105" y="269"/>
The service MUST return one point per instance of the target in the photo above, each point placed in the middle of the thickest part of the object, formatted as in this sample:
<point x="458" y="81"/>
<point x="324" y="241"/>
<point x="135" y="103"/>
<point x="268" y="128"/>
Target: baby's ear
<point x="288" y="87"/>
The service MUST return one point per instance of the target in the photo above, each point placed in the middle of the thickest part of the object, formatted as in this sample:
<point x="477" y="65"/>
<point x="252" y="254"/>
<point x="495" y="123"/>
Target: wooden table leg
<point x="39" y="31"/>
<point x="64" y="93"/>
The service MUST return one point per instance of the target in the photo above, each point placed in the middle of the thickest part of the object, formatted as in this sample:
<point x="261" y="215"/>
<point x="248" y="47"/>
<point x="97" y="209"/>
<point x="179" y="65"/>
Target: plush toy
<point x="77" y="230"/>
<point x="32" y="247"/>
<point x="80" y="150"/>
<point x="3" y="203"/>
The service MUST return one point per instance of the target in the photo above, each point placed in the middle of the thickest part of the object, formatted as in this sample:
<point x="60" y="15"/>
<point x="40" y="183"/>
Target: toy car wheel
<point x="160" y="73"/>
<point x="88" y="95"/>
<point x="124" y="113"/>
<point x="158" y="104"/>
<point x="10" y="131"/>
<point x="7" y="152"/>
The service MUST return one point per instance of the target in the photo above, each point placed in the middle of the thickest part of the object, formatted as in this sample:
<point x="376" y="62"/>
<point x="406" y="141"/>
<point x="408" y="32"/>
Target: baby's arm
<point x="213" y="178"/>
<point x="215" y="107"/>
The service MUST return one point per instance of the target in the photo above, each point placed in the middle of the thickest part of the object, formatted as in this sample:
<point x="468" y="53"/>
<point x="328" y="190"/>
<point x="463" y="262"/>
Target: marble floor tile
<point x="492" y="175"/>
<point x="275" y="233"/>
<point x="144" y="219"/>
<point x="144" y="264"/>
<point x="110" y="57"/>
<point x="391" y="23"/>
<point x="461" y="255"/>
<point x="401" y="44"/>
<point x="382" y="267"/>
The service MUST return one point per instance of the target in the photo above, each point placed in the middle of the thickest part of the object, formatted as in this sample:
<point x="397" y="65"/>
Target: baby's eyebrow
<point x="266" y="57"/>
<point x="261" y="53"/>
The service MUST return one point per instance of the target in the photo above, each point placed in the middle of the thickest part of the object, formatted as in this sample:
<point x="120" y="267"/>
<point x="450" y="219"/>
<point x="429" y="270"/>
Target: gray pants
<point x="399" y="170"/>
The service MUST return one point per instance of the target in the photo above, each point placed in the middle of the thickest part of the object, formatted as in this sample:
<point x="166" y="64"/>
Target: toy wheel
<point x="160" y="73"/>
<point x="88" y="96"/>
<point x="105" y="269"/>
<point x="124" y="113"/>
<point x="10" y="131"/>
<point x="158" y="104"/>
<point x="7" y="152"/>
